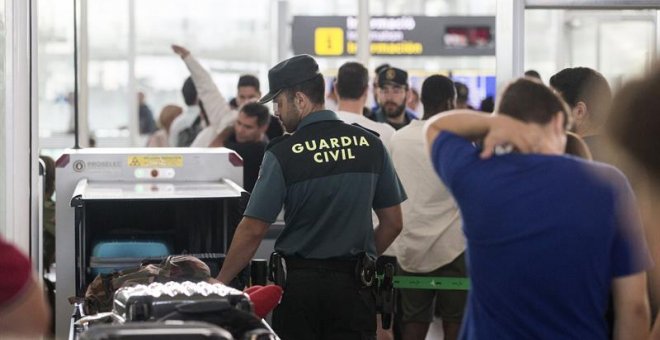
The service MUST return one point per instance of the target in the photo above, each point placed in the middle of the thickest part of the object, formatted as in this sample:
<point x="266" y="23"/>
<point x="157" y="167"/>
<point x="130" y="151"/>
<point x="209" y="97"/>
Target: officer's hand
<point x="180" y="50"/>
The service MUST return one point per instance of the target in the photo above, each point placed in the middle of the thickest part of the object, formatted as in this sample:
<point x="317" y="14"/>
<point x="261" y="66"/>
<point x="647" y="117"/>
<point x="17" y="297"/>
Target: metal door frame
<point x="20" y="126"/>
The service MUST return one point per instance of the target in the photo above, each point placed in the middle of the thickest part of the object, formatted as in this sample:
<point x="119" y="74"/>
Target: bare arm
<point x="465" y="123"/>
<point x="220" y="138"/>
<point x="28" y="314"/>
<point x="655" y="334"/>
<point x="391" y="223"/>
<point x="649" y="203"/>
<point x="247" y="238"/>
<point x="495" y="129"/>
<point x="631" y="307"/>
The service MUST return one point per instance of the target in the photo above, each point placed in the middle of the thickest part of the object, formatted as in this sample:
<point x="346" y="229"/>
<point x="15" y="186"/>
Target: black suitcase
<point x="144" y="303"/>
<point x="154" y="311"/>
<point x="168" y="330"/>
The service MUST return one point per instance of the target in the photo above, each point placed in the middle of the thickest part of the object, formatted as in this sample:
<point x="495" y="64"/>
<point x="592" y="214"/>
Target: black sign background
<point x="425" y="39"/>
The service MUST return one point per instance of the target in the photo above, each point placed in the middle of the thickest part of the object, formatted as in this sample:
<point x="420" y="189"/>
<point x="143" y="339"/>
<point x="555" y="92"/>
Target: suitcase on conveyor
<point x="183" y="302"/>
<point x="157" y="331"/>
<point x="156" y="300"/>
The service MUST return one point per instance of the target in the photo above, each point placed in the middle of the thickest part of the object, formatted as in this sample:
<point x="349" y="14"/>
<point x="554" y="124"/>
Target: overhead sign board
<point x="333" y="36"/>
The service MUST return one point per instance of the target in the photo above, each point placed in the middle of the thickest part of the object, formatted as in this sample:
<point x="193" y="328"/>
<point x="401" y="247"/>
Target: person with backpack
<point x="187" y="126"/>
<point x="218" y="110"/>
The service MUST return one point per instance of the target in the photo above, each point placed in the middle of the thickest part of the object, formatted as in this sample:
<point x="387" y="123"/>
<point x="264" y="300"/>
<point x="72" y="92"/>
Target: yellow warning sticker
<point x="329" y="41"/>
<point x="156" y="161"/>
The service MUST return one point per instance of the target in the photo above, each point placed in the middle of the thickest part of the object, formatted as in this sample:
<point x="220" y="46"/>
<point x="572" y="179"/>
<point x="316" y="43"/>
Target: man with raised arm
<point x="218" y="110"/>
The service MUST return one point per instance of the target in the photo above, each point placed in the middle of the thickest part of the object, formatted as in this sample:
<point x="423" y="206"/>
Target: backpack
<point x="187" y="135"/>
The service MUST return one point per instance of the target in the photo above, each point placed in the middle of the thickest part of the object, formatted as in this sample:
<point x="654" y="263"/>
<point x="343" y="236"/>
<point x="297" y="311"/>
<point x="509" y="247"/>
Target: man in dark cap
<point x="328" y="175"/>
<point x="392" y="98"/>
<point x="375" y="107"/>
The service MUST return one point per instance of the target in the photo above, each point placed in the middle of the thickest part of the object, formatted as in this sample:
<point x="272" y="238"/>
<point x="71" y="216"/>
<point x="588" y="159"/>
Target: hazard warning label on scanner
<point x="152" y="161"/>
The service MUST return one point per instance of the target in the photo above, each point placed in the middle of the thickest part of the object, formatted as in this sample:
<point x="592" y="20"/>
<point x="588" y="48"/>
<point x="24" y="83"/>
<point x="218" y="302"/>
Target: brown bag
<point x="100" y="293"/>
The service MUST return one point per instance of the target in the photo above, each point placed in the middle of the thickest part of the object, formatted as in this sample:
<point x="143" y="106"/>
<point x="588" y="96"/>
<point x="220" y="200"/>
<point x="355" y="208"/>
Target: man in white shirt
<point x="431" y="242"/>
<point x="242" y="130"/>
<point x="219" y="112"/>
<point x="352" y="88"/>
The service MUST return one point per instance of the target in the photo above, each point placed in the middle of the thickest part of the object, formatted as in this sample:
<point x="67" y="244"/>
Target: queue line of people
<point x="545" y="237"/>
<point x="541" y="264"/>
<point x="432" y="221"/>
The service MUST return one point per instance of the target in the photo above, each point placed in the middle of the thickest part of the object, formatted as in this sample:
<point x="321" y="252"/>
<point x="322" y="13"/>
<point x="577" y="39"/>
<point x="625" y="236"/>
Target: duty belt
<point x="363" y="268"/>
<point x="344" y="266"/>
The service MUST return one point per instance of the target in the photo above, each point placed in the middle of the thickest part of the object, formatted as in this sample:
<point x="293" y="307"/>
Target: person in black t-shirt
<point x="247" y="137"/>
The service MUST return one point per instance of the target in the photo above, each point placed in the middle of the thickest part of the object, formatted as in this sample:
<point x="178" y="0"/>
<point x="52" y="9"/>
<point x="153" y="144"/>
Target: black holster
<point x="385" y="296"/>
<point x="277" y="269"/>
<point x="365" y="270"/>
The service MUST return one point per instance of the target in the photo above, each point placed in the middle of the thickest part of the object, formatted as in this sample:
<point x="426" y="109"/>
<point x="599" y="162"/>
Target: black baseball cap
<point x="392" y="75"/>
<point x="381" y="67"/>
<point x="288" y="73"/>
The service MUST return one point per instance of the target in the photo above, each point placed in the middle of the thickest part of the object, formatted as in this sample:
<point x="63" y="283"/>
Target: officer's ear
<point x="300" y="101"/>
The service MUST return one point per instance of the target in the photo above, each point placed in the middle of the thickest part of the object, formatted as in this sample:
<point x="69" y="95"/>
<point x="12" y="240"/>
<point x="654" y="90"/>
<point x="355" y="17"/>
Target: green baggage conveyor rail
<point x="424" y="282"/>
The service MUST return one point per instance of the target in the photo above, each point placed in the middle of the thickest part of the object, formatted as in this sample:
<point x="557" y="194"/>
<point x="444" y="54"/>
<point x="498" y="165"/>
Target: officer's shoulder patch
<point x="366" y="129"/>
<point x="277" y="140"/>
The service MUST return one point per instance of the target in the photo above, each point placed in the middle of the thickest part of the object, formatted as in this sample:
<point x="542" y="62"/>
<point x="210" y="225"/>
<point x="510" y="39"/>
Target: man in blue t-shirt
<point x="548" y="235"/>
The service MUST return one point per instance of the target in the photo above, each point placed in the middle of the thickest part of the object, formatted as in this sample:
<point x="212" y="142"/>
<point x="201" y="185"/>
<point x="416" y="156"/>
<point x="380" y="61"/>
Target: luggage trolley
<point x="116" y="207"/>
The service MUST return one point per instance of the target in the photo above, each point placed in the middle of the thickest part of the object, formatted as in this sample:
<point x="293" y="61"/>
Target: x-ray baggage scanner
<point x="155" y="201"/>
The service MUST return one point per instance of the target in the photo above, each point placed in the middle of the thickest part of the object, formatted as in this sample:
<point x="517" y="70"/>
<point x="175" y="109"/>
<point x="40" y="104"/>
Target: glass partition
<point x="618" y="43"/>
<point x="214" y="31"/>
<point x="230" y="38"/>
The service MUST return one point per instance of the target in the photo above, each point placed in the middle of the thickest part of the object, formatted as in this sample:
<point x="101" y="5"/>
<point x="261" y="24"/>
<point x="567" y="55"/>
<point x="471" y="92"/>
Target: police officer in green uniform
<point x="328" y="175"/>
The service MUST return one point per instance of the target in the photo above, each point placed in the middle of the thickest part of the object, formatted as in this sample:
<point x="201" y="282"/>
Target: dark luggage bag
<point x="157" y="331"/>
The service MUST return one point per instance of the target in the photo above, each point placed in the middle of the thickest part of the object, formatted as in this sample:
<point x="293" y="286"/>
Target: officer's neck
<point x="312" y="109"/>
